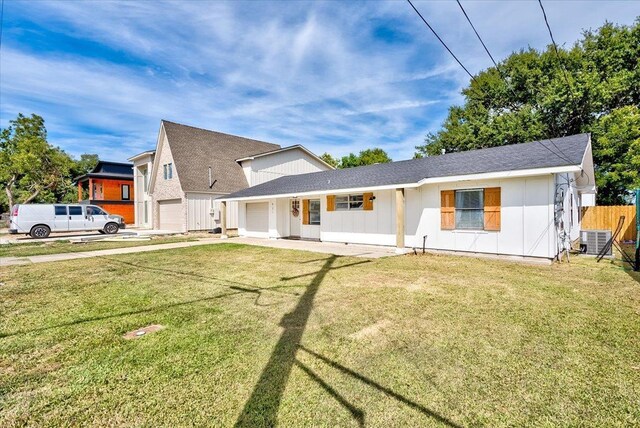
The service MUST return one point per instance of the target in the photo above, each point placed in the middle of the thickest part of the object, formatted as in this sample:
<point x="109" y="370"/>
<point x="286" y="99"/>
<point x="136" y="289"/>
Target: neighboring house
<point x="110" y="186"/>
<point x="521" y="200"/>
<point x="177" y="184"/>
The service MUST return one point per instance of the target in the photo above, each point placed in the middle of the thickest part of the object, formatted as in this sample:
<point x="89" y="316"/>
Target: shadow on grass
<point x="238" y="287"/>
<point x="261" y="409"/>
<point x="379" y="387"/>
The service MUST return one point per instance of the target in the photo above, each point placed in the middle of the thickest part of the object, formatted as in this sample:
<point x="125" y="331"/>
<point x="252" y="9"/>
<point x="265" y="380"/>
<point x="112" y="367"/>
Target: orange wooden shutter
<point x="367" y="203"/>
<point x="447" y="210"/>
<point x="331" y="202"/>
<point x="305" y="211"/>
<point x="492" y="208"/>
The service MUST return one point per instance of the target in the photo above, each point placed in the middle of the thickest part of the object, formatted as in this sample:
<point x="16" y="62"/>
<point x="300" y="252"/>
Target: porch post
<point x="223" y="219"/>
<point x="91" y="195"/>
<point x="399" y="220"/>
<point x="79" y="191"/>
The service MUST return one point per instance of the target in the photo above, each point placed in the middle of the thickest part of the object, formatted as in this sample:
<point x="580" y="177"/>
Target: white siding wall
<point x="527" y="220"/>
<point x="290" y="162"/>
<point x="527" y="227"/>
<point x="200" y="215"/>
<point x="376" y="227"/>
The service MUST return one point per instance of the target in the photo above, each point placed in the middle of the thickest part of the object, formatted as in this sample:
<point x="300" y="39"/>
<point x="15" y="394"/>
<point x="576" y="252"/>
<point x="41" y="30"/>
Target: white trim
<point x="141" y="155"/>
<point x="284" y="149"/>
<point x="483" y="176"/>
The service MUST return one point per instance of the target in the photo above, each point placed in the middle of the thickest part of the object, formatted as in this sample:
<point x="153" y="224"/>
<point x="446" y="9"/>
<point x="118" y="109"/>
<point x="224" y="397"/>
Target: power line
<point x="560" y="154"/>
<point x="555" y="49"/>
<point x="440" y="40"/>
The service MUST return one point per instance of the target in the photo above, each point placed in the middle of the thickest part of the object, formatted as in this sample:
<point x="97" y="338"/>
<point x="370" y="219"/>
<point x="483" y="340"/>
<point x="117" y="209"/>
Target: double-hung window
<point x="349" y="202"/>
<point x="470" y="209"/>
<point x="314" y="211"/>
<point x="168" y="171"/>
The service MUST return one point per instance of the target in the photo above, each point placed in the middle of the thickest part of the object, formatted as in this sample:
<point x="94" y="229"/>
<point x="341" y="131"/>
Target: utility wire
<point x="440" y="40"/>
<point x="560" y="154"/>
<point x="1" y="21"/>
<point x="555" y="49"/>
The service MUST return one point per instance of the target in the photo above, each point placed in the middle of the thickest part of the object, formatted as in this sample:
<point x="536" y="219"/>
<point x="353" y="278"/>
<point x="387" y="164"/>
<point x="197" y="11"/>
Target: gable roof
<point x="285" y="149"/>
<point x="558" y="152"/>
<point x="194" y="150"/>
<point x="106" y="169"/>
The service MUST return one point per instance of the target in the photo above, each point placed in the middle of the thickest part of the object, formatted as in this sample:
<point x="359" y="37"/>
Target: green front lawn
<point x="56" y="247"/>
<point x="257" y="336"/>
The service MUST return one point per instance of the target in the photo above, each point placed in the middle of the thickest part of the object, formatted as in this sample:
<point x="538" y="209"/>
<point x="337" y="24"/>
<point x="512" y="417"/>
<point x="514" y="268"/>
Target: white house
<point x="176" y="185"/>
<point x="521" y="200"/>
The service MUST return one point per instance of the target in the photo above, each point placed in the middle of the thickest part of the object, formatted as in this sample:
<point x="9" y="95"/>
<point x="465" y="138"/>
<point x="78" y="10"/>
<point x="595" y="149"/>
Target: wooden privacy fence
<point x="606" y="218"/>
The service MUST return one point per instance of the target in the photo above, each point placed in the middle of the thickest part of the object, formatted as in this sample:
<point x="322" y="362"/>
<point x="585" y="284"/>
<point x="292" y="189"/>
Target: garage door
<point x="258" y="217"/>
<point x="171" y="215"/>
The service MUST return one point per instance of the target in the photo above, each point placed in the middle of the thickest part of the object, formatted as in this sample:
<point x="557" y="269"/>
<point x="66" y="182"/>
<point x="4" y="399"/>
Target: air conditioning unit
<point x="592" y="241"/>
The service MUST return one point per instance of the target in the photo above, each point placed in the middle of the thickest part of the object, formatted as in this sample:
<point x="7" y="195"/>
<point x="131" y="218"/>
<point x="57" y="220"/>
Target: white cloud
<point x="310" y="72"/>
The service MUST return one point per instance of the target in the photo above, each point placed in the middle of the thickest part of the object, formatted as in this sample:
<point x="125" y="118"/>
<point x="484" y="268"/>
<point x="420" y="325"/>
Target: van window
<point x="61" y="210"/>
<point x="75" y="210"/>
<point x="95" y="211"/>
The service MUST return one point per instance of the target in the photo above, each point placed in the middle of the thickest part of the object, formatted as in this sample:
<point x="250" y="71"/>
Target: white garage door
<point x="258" y="217"/>
<point x="171" y="215"/>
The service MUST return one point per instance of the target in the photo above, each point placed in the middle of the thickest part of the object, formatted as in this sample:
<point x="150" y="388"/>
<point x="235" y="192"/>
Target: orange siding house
<point x="110" y="186"/>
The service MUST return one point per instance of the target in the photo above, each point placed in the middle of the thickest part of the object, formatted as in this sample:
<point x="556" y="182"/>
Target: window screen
<point x="470" y="209"/>
<point x="75" y="210"/>
<point x="314" y="211"/>
<point x="61" y="210"/>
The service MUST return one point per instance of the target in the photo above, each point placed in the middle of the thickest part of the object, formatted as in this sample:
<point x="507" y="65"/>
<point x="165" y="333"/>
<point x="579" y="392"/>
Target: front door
<point x="295" y="217"/>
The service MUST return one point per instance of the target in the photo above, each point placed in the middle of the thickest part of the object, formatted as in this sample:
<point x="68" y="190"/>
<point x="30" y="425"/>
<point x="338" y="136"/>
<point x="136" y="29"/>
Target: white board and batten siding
<point x="527" y="222"/>
<point x="290" y="162"/>
<point x="200" y="215"/>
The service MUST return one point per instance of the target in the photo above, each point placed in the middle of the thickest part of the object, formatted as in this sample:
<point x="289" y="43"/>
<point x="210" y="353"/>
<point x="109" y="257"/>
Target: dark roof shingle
<point x="495" y="159"/>
<point x="194" y="150"/>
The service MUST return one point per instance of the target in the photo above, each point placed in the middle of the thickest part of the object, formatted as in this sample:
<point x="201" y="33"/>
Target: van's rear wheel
<point x="41" y="231"/>
<point x="111" y="228"/>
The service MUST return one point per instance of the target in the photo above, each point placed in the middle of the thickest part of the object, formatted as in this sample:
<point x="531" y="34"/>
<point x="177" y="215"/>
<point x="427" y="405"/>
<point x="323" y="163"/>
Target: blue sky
<point x="333" y="76"/>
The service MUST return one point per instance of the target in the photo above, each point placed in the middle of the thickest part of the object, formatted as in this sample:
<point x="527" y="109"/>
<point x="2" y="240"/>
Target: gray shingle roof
<point x="194" y="150"/>
<point x="495" y="159"/>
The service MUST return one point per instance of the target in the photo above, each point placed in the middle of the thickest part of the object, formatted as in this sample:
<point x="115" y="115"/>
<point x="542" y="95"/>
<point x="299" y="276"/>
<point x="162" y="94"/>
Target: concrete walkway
<point x="352" y="250"/>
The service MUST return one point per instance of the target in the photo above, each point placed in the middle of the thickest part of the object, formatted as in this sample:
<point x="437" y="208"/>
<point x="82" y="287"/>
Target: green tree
<point x="365" y="157"/>
<point x="529" y="98"/>
<point x="330" y="160"/>
<point x="30" y="168"/>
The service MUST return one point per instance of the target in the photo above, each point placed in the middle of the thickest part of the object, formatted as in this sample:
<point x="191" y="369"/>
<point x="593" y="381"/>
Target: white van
<point x="39" y="220"/>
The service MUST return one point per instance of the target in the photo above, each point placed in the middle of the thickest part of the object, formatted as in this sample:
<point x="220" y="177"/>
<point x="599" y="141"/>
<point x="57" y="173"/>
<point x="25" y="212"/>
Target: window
<point x="61" y="210"/>
<point x="91" y="210"/>
<point x="125" y="192"/>
<point x="470" y="209"/>
<point x="168" y="171"/>
<point x="75" y="210"/>
<point x="349" y="202"/>
<point x="145" y="180"/>
<point x="314" y="211"/>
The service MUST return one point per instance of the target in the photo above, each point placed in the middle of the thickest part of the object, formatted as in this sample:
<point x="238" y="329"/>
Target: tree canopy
<point x="365" y="157"/>
<point x="31" y="169"/>
<point x="592" y="87"/>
